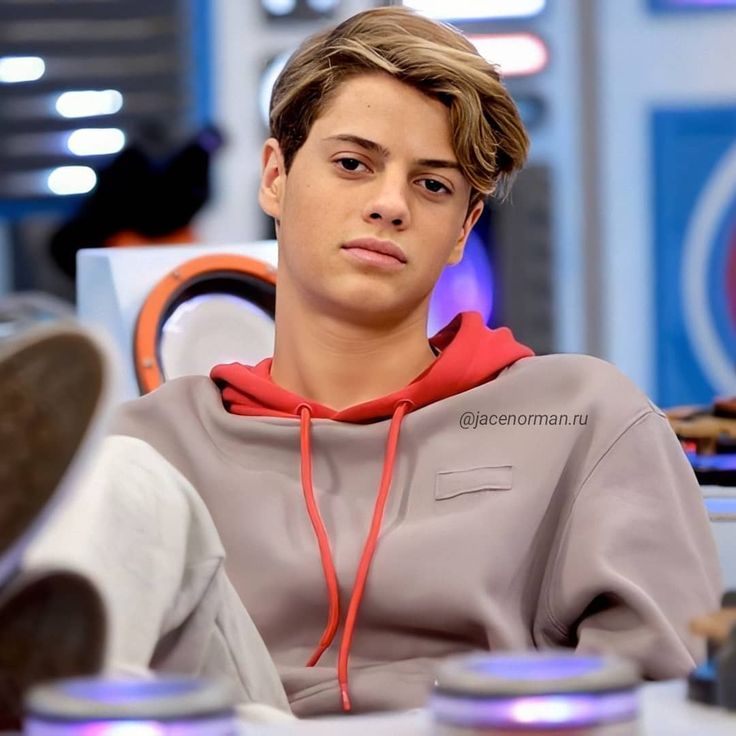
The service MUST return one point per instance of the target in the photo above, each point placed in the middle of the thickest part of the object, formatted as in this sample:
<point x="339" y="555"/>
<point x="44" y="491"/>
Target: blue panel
<point x="660" y="6"/>
<point x="201" y="24"/>
<point x="725" y="462"/>
<point x="721" y="506"/>
<point x="15" y="209"/>
<point x="692" y="148"/>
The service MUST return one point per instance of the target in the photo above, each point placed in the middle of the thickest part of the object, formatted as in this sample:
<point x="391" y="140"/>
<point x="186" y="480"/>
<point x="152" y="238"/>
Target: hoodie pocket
<point x="451" y="483"/>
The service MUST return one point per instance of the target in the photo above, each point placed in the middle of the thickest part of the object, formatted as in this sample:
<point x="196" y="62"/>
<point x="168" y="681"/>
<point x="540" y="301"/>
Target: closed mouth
<point x="384" y="247"/>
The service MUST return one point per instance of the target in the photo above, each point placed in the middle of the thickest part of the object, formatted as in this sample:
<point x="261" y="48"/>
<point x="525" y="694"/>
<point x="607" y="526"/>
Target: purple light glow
<point x="165" y="706"/>
<point x="196" y="727"/>
<point x="467" y="286"/>
<point x="133" y="728"/>
<point x="536" y="668"/>
<point x="126" y="691"/>
<point x="538" y="710"/>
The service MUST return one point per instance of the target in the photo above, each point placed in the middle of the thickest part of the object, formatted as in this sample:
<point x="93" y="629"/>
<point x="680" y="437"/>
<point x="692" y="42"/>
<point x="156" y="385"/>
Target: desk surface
<point x="664" y="712"/>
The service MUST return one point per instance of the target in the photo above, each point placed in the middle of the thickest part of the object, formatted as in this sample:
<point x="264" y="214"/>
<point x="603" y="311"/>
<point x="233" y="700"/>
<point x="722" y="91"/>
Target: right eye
<point x="350" y="164"/>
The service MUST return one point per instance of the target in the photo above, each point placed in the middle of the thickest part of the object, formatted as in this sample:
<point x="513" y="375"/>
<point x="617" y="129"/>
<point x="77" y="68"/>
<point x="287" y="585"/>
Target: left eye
<point x="434" y="186"/>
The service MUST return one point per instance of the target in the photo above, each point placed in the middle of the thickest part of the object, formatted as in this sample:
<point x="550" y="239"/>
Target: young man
<point x="384" y="500"/>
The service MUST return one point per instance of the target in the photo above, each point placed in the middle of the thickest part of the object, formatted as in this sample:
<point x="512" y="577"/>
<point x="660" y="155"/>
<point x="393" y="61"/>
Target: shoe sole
<point x="51" y="384"/>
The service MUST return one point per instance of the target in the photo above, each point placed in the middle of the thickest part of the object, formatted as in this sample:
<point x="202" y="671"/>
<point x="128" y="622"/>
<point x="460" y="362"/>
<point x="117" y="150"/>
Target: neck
<point x="339" y="364"/>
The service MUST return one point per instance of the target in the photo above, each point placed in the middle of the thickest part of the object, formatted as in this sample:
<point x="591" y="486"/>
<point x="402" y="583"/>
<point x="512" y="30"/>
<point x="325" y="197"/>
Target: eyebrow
<point x="369" y="145"/>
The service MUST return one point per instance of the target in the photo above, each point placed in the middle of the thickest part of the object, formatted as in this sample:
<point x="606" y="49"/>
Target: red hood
<point x="472" y="354"/>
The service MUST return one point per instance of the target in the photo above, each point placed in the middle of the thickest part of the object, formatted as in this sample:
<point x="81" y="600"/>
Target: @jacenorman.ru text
<point x="475" y="419"/>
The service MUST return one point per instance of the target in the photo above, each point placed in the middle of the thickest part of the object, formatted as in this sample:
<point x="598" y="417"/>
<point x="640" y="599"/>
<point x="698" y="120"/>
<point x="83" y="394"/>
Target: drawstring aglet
<point x="345" y="697"/>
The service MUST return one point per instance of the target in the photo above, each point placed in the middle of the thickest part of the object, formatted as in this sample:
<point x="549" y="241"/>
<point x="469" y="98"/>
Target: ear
<point x="472" y="217"/>
<point x="273" y="177"/>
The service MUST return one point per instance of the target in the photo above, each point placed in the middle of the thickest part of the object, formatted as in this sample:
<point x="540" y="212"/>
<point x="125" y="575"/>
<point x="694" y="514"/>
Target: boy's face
<point x="377" y="167"/>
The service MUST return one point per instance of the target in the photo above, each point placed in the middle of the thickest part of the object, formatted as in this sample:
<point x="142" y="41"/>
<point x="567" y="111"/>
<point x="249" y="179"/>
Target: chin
<point x="369" y="308"/>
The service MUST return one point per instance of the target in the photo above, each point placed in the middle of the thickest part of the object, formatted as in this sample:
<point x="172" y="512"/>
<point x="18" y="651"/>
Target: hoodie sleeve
<point x="635" y="560"/>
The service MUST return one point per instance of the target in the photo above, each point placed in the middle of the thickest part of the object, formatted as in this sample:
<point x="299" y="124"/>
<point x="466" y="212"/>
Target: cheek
<point x="446" y="219"/>
<point x="444" y="238"/>
<point x="298" y="215"/>
<point x="308" y="203"/>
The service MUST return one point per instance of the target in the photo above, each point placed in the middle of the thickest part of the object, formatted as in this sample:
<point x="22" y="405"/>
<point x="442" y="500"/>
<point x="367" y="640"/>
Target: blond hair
<point x="488" y="136"/>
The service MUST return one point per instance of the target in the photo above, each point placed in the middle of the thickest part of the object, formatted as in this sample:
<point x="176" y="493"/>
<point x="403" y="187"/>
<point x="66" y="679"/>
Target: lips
<point x="373" y="245"/>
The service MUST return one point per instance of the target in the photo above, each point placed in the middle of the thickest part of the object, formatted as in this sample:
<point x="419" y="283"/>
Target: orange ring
<point x="145" y="341"/>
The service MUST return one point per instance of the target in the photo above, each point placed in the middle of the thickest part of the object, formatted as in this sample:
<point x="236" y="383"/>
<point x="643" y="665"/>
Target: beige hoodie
<point x="550" y="506"/>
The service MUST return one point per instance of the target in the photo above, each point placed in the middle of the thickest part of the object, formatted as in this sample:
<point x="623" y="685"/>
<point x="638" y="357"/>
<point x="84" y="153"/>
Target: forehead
<point x="398" y="116"/>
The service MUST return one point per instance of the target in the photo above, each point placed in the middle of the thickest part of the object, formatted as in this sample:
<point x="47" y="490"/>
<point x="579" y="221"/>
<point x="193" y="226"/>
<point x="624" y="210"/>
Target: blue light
<point x="694" y="5"/>
<point x="15" y="69"/>
<point x="726" y="461"/>
<point x="71" y="180"/>
<point x="89" y="103"/>
<point x="477" y="9"/>
<point x="95" y="141"/>
<point x="721" y="507"/>
<point x="127" y="691"/>
<point x="279" y="7"/>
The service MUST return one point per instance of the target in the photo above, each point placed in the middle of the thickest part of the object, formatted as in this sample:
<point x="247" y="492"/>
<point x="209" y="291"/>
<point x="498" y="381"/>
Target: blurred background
<point x="130" y="122"/>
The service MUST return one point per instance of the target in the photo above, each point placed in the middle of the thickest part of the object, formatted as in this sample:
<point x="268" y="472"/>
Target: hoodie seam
<point x="565" y="524"/>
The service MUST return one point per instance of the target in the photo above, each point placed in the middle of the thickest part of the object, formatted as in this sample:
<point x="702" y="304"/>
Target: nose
<point x="387" y="203"/>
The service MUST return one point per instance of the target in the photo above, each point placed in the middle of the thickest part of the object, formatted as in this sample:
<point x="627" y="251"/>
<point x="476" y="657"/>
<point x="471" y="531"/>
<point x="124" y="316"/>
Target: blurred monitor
<point x="179" y="310"/>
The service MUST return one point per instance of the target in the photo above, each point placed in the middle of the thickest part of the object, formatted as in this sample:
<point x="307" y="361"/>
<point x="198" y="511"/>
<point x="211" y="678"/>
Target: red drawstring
<point x="369" y="548"/>
<point x="333" y="616"/>
<point x="368" y="551"/>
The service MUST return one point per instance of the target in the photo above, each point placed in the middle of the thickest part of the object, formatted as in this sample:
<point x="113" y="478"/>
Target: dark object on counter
<point x="714" y="470"/>
<point x="700" y="429"/>
<point x="714" y="682"/>
<point x="708" y="436"/>
<point x="725" y="407"/>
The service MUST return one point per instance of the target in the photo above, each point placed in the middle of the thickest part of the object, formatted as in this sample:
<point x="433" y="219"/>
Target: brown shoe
<point x="53" y="381"/>
<point x="52" y="625"/>
<point x="53" y="386"/>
